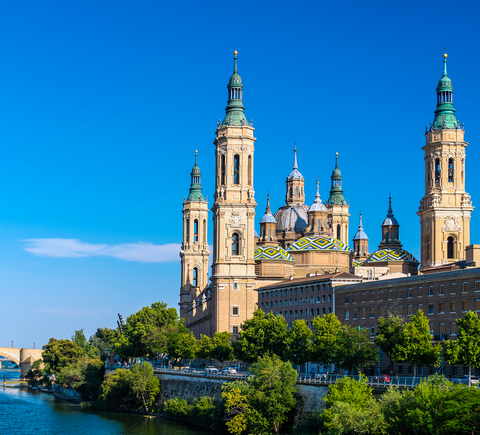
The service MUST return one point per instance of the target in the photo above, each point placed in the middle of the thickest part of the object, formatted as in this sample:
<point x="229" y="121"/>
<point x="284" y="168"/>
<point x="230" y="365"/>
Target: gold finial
<point x="445" y="55"/>
<point x="336" y="153"/>
<point x="196" y="152"/>
<point x="235" y="52"/>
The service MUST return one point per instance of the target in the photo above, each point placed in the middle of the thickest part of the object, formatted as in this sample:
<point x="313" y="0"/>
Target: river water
<point x="27" y="412"/>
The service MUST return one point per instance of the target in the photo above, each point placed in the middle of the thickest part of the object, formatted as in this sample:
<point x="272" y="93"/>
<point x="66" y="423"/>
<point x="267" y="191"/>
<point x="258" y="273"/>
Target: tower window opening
<point x="450" y="170"/>
<point x="235" y="244"/>
<point x="204" y="231"/>
<point x="291" y="191"/>
<point x="363" y="250"/>
<point x="269" y="234"/>
<point x="223" y="169"/>
<point x="250" y="172"/>
<point x="296" y="191"/>
<point x="195" y="277"/>
<point x="188" y="231"/>
<point x="386" y="237"/>
<point x="450" y="247"/>
<point x="236" y="169"/>
<point x="339" y="229"/>
<point x="437" y="170"/>
<point x="428" y="173"/>
<point x="195" y="230"/>
<point x="319" y="223"/>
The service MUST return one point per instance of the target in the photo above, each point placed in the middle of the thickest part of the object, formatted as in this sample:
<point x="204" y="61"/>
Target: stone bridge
<point x="23" y="357"/>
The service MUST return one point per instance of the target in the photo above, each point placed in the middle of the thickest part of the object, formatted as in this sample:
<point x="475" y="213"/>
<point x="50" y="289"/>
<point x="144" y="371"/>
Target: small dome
<point x="361" y="235"/>
<point x="271" y="253"/>
<point x="390" y="221"/>
<point x="318" y="244"/>
<point x="295" y="174"/>
<point x="268" y="218"/>
<point x="292" y="217"/>
<point x="255" y="233"/>
<point x="390" y="254"/>
<point x="318" y="207"/>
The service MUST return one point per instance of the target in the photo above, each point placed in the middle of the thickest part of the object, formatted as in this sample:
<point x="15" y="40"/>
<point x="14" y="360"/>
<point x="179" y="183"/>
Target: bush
<point x="177" y="408"/>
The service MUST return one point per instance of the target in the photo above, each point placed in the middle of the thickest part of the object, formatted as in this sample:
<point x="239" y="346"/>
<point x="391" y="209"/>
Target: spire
<point x="390" y="219"/>
<point x="445" y="112"/>
<point x="336" y="192"/>
<point x="295" y="173"/>
<point x="295" y="166"/>
<point x="268" y="217"/>
<point x="317" y="204"/>
<point x="235" y="111"/>
<point x="317" y="196"/>
<point x="196" y="183"/>
<point x="360" y="235"/>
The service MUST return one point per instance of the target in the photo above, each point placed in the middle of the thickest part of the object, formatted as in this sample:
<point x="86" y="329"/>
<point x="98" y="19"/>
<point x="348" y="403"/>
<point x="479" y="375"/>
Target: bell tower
<point x="446" y="207"/>
<point x="233" y="268"/>
<point x="194" y="252"/>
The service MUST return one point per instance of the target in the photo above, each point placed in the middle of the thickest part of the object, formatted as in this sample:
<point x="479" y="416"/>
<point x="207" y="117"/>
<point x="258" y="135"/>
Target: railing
<point x="204" y="374"/>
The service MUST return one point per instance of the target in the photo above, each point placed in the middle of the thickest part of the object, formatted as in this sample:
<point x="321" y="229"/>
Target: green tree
<point x="60" y="353"/>
<point x="299" y="343"/>
<point x="144" y="385"/>
<point x="355" y="349"/>
<point x="35" y="375"/>
<point x="326" y="339"/>
<point x="465" y="350"/>
<point x="261" y="335"/>
<point x="116" y="390"/>
<point x="417" y="347"/>
<point x="105" y="340"/>
<point x="204" y="347"/>
<point x="222" y="349"/>
<point x="182" y="345"/>
<point x="389" y="335"/>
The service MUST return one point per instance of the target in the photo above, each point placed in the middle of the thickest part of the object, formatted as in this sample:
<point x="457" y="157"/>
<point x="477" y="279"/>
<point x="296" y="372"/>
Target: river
<point x="29" y="412"/>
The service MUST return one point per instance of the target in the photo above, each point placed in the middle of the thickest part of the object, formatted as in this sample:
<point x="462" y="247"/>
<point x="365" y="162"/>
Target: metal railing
<point x="242" y="376"/>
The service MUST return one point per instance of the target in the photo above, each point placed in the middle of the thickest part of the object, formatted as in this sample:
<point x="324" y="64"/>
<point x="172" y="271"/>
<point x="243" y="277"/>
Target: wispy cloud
<point x="143" y="252"/>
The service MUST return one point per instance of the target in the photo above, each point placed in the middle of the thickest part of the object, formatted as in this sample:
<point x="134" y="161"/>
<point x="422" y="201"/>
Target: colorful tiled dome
<point x="390" y="254"/>
<point x="356" y="263"/>
<point x="318" y="244"/>
<point x="271" y="253"/>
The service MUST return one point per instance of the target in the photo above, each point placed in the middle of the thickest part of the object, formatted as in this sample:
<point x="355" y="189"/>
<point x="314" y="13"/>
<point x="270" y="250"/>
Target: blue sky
<point x="102" y="105"/>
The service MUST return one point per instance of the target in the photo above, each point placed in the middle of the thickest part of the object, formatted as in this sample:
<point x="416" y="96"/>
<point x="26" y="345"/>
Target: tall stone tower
<point x="233" y="269"/>
<point x="338" y="207"/>
<point x="445" y="208"/>
<point x="360" y="243"/>
<point x="194" y="252"/>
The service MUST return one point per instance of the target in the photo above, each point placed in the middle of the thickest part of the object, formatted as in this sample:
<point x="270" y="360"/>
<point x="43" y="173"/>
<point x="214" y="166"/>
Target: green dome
<point x="445" y="112"/>
<point x="235" y="111"/>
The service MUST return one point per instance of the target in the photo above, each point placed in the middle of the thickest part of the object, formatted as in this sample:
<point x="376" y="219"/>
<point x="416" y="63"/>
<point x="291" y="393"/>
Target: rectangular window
<point x="372" y="313"/>
<point x="329" y="310"/>
<point x="400" y="369"/>
<point x="301" y="313"/>
<point x="234" y="329"/>
<point x="281" y="293"/>
<point x="306" y="300"/>
<point x="453" y="289"/>
<point x="372" y="332"/>
<point x="430" y="290"/>
<point x="477" y="304"/>
<point x="296" y="291"/>
<point x="354" y="298"/>
<point x="323" y="311"/>
<point x="381" y="311"/>
<point x="442" y="289"/>
<point x="372" y="296"/>
<point x="346" y="299"/>
<point x="441" y="308"/>
<point x="453" y="328"/>
<point x="464" y="306"/>
<point x="399" y="293"/>
<point x="296" y="313"/>
<point x="276" y="303"/>
<point x="307" y="312"/>
<point x="409" y="310"/>
<point x="454" y="370"/>
<point x="465" y="287"/>
<point x="235" y="311"/>
<point x="354" y="314"/>
<point x="409" y="293"/>
<point x="323" y="298"/>
<point x="400" y="310"/>
<point x="420" y="307"/>
<point x="442" y="330"/>
<point x="363" y="313"/>
<point x="291" y="302"/>
<point x="301" y="301"/>
<point x="419" y="292"/>
<point x="477" y="286"/>
<point x="318" y="299"/>
<point x="363" y="297"/>
<point x="453" y="306"/>
<point x="390" y="294"/>
<point x="329" y="298"/>
<point x="430" y="308"/>
<point x="318" y="311"/>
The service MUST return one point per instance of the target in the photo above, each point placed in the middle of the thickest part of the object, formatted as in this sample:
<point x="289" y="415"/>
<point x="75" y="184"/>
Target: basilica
<point x="302" y="240"/>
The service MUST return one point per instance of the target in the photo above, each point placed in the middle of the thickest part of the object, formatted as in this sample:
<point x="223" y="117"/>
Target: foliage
<point x="105" y="340"/>
<point x="182" y="345"/>
<point x="135" y="388"/>
<point x="204" y="347"/>
<point x="299" y="342"/>
<point x="261" y="335"/>
<point x="465" y="350"/>
<point x="222" y="349"/>
<point x="85" y="375"/>
<point x="176" y="407"/>
<point x="35" y="375"/>
<point x="350" y="391"/>
<point x="203" y="412"/>
<point x="60" y="353"/>
<point x="355" y="349"/>
<point x="310" y="425"/>
<point x="417" y="347"/>
<point x="326" y="338"/>
<point x="389" y="335"/>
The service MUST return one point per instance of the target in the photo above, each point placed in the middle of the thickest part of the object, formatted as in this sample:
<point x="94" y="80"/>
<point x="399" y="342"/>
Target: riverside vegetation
<point x="265" y="403"/>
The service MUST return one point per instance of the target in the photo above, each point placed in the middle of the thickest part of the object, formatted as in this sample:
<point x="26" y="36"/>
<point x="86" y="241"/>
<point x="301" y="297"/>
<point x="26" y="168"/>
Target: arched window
<point x="236" y="169"/>
<point x="319" y="223"/>
<point x="338" y="231"/>
<point x="269" y="234"/>
<point x="363" y="250"/>
<point x="235" y="244"/>
<point x="291" y="191"/>
<point x="386" y="237"/>
<point x="296" y="191"/>
<point x="204" y="231"/>
<point x="250" y="171"/>
<point x="195" y="230"/>
<point x="450" y="170"/>
<point x="195" y="276"/>
<point x="188" y="231"/>
<point x="437" y="170"/>
<point x="450" y="247"/>
<point x="223" y="169"/>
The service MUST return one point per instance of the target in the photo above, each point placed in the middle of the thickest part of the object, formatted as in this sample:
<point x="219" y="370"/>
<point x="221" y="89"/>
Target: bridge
<point x="24" y="358"/>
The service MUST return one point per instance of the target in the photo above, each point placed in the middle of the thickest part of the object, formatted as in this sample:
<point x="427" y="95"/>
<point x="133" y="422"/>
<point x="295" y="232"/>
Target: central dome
<point x="292" y="217"/>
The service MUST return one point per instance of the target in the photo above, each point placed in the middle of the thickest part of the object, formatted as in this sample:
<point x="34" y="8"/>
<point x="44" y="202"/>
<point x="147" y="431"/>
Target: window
<point x="318" y="299"/>
<point x="453" y="328"/>
<point x="281" y="303"/>
<point x="329" y="310"/>
<point x="430" y="308"/>
<point x="276" y="303"/>
<point x="363" y="297"/>
<point x="450" y="247"/>
<point x="296" y="301"/>
<point x="464" y="306"/>
<point x="400" y="369"/>
<point x="235" y="244"/>
<point x="399" y="293"/>
<point x="400" y="310"/>
<point x="477" y="286"/>
<point x="296" y="313"/>
<point x="430" y="290"/>
<point x="354" y="298"/>
<point x="363" y="313"/>
<point x="318" y="311"/>
<point x="306" y="312"/>
<point x="453" y="307"/>
<point x="301" y="301"/>
<point x="261" y="305"/>
<point x="234" y="329"/>
<point x="291" y="302"/>
<point x="195" y="277"/>
<point x="381" y="311"/>
<point x="465" y="287"/>
<point x="354" y="314"/>
<point x="420" y="307"/>
<point x="234" y="311"/>
<point x="347" y="315"/>
<point x="323" y="311"/>
<point x="296" y="291"/>
<point x="441" y="308"/>
<point x="390" y="292"/>
<point x="323" y="298"/>
<point x="437" y="171"/>
<point x="454" y="369"/>
<point x="195" y="230"/>
<point x="450" y="170"/>
<point x="372" y="331"/>
<point x="419" y="292"/>
<point x="347" y="299"/>
<point x="223" y="181"/>
<point x="442" y="331"/>
<point x="409" y="294"/>
<point x="477" y="304"/>
<point x="329" y="298"/>
<point x="442" y="289"/>
<point x="301" y="313"/>
<point x="250" y="171"/>
<point x="409" y="310"/>
<point x="236" y="169"/>
<point x="306" y="300"/>
<point x="372" y="313"/>
<point x="453" y="288"/>
<point x="188" y="230"/>
<point x="372" y="296"/>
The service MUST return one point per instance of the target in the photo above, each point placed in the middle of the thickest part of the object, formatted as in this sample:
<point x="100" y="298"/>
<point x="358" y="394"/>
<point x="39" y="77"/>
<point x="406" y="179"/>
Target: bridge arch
<point x="11" y="353"/>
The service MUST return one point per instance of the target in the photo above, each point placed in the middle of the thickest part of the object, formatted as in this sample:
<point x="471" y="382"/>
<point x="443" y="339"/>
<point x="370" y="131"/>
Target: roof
<point x="271" y="253"/>
<point x="292" y="217"/>
<point x="327" y="277"/>
<point x="390" y="254"/>
<point x="320" y="243"/>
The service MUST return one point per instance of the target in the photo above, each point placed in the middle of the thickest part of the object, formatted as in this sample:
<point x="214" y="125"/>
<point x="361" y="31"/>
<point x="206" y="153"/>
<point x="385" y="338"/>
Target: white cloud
<point x="144" y="252"/>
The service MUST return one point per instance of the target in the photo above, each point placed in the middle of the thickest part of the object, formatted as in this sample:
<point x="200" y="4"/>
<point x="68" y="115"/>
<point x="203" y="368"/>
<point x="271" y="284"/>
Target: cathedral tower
<point x="268" y="226"/>
<point x="446" y="207"/>
<point x="390" y="230"/>
<point x="233" y="269"/>
<point x="338" y="207"/>
<point x="318" y="218"/>
<point x="194" y="252"/>
<point x="360" y="243"/>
